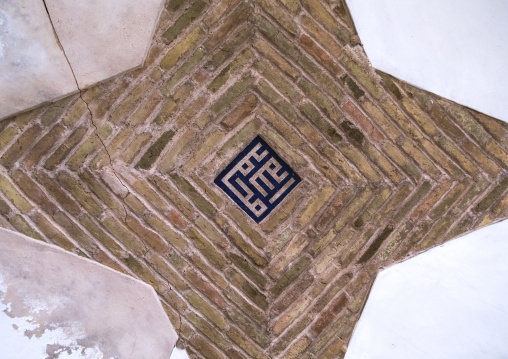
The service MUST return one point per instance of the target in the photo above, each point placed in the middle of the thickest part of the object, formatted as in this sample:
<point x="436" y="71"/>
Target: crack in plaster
<point x="88" y="108"/>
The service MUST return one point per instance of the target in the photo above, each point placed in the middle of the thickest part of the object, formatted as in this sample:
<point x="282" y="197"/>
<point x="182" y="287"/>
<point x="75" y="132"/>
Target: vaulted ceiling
<point x="124" y="172"/>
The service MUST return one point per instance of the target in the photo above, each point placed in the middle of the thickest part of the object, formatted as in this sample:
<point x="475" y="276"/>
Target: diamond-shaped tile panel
<point x="257" y="179"/>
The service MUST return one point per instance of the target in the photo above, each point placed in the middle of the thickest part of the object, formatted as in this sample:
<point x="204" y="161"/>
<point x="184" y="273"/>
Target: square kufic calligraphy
<point x="257" y="179"/>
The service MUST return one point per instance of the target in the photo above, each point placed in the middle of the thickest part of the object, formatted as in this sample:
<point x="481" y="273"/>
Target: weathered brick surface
<point x="388" y="170"/>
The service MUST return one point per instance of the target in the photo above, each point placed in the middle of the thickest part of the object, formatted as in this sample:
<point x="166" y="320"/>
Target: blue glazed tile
<point x="257" y="179"/>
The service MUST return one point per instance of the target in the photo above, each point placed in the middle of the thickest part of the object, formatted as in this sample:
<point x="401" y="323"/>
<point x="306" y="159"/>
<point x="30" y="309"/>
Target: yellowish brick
<point x="14" y="195"/>
<point x="180" y="49"/>
<point x="314" y="205"/>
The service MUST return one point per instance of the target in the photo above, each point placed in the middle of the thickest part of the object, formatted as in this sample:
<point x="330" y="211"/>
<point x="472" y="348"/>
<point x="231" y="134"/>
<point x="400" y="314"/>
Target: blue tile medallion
<point x="257" y="179"/>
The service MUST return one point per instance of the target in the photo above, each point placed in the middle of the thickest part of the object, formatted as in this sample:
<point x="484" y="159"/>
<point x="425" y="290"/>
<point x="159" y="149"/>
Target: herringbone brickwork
<point x="123" y="174"/>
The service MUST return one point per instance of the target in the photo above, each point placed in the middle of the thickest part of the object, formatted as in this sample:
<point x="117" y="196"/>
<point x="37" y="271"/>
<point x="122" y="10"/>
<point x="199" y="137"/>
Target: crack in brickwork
<point x="387" y="170"/>
<point x="81" y="95"/>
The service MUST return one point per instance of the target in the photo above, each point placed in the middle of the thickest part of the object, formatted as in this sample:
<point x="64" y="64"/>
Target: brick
<point x="283" y="212"/>
<point x="208" y="330"/>
<point x="277" y="101"/>
<point x="492" y="197"/>
<point x="250" y="271"/>
<point x="319" y="12"/>
<point x="23" y="119"/>
<point x="4" y="207"/>
<point x="92" y="144"/>
<point x="387" y="170"/>
<point x="65" y="148"/>
<point x="205" y="149"/>
<point x="245" y="305"/>
<point x="167" y="232"/>
<point x="272" y="33"/>
<point x="239" y="338"/>
<point x="353" y="87"/>
<point x="104" y="239"/>
<point x="43" y="146"/>
<point x="218" y="11"/>
<point x="263" y="47"/>
<point x="169" y="159"/>
<point x="338" y="159"/>
<point x="238" y="240"/>
<point x="241" y="111"/>
<point x="278" y="122"/>
<point x="153" y="152"/>
<point x="333" y="208"/>
<point x="331" y="255"/>
<point x="6" y="135"/>
<point x="361" y="163"/>
<point x="245" y="225"/>
<point x="206" y="309"/>
<point x="200" y="283"/>
<point x="247" y="288"/>
<point x="175" y="195"/>
<point x="195" y="196"/>
<point x="32" y="190"/>
<point x="349" y="212"/>
<point x="225" y="74"/>
<point x="182" y="71"/>
<point x="21" y="225"/>
<point x="77" y="110"/>
<point x="74" y="187"/>
<point x="55" y="190"/>
<point x="13" y="195"/>
<point x="258" y="335"/>
<point x="227" y="49"/>
<point x="239" y="14"/>
<point x="282" y="18"/>
<point x="323" y="165"/>
<point x="278" y="81"/>
<point x="146" y="108"/>
<point x="319" y="99"/>
<point x="314" y="205"/>
<point x="402" y="161"/>
<point x="290" y="297"/>
<point x="180" y="49"/>
<point x="313" y="114"/>
<point x="467" y="122"/>
<point x="73" y="231"/>
<point x="206" y="248"/>
<point x="363" y="76"/>
<point x="129" y="103"/>
<point x="320" y="55"/>
<point x="321" y="36"/>
<point x="232" y="94"/>
<point x="240" y="137"/>
<point x="288" y="277"/>
<point x="18" y="148"/>
<point x="363" y="121"/>
<point x="297" y="348"/>
<point x="184" y="20"/>
<point x="52" y="113"/>
<point x="51" y="232"/>
<point x="124" y="236"/>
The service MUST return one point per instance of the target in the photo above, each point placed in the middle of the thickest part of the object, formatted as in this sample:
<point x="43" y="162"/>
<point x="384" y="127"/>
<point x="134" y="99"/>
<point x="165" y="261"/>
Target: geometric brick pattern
<point x="123" y="174"/>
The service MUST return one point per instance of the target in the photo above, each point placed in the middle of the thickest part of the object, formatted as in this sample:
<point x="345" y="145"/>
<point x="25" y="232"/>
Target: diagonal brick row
<point x="125" y="176"/>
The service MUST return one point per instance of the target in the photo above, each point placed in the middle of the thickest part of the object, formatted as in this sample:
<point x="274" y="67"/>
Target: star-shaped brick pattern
<point x="124" y="174"/>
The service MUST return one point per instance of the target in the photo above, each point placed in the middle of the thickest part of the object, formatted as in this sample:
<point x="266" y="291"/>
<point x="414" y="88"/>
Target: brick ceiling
<point x="124" y="174"/>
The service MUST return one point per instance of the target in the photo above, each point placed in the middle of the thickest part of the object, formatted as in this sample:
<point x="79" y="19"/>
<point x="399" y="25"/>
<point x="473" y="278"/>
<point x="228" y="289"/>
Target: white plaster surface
<point x="33" y="69"/>
<point x="179" y="354"/>
<point x="448" y="303"/>
<point x="455" y="48"/>
<point x="104" y="38"/>
<point x="54" y="304"/>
